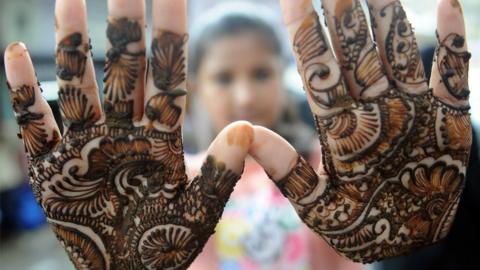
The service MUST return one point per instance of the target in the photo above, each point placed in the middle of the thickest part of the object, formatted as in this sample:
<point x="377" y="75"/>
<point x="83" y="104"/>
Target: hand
<point x="113" y="187"/>
<point x="394" y="151"/>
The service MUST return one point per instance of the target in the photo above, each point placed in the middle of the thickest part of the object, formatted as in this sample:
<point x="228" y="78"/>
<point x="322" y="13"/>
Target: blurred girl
<point x="237" y="67"/>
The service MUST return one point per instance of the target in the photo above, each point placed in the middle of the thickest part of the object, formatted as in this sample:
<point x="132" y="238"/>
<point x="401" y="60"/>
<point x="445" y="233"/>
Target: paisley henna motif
<point x="352" y="30"/>
<point x="323" y="78"/>
<point x="357" y="54"/>
<point x="402" y="49"/>
<point x="452" y="62"/>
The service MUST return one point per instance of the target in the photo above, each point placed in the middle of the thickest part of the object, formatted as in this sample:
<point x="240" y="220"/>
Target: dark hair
<point x="217" y="24"/>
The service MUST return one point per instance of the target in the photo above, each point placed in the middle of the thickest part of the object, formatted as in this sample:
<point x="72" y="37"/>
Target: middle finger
<point x="125" y="65"/>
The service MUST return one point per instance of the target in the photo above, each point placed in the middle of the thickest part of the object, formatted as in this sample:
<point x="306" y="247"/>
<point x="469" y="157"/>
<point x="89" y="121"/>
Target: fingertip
<point x="132" y="9"/>
<point x="450" y="18"/>
<point x="170" y="15"/>
<point x="70" y="15"/>
<point x="240" y="134"/>
<point x="232" y="144"/>
<point x="18" y="65"/>
<point x="15" y="49"/>
<point x="268" y="144"/>
<point x="294" y="10"/>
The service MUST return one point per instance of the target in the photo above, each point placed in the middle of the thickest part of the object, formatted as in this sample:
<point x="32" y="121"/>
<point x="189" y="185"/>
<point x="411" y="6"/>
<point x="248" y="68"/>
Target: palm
<point x="394" y="151"/>
<point x="121" y="193"/>
<point x="114" y="187"/>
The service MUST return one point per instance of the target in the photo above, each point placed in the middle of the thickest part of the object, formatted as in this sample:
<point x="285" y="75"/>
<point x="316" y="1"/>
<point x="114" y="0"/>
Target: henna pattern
<point x="71" y="60"/>
<point x="168" y="69"/>
<point x="352" y="30"/>
<point x="76" y="111"/>
<point x="401" y="47"/>
<point x="452" y="62"/>
<point x="122" y="70"/>
<point x="394" y="165"/>
<point x="358" y="57"/>
<point x="456" y="4"/>
<point x="322" y="78"/>
<point x="31" y="124"/>
<point x="119" y="199"/>
<point x="116" y="195"/>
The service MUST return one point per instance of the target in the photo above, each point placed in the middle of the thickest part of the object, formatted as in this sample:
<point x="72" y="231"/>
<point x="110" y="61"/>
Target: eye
<point x="262" y="74"/>
<point x="224" y="78"/>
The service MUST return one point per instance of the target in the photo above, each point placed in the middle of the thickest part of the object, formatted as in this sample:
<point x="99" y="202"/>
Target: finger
<point x="166" y="85"/>
<point x="449" y="78"/>
<point x="321" y="74"/>
<point x="355" y="49"/>
<point x="297" y="180"/>
<point x="38" y="128"/>
<point x="398" y="46"/>
<point x="225" y="160"/>
<point x="75" y="73"/>
<point x="125" y="64"/>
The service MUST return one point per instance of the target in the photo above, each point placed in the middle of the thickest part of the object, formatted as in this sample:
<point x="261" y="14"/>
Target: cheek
<point x="272" y="94"/>
<point x="218" y="105"/>
<point x="271" y="102"/>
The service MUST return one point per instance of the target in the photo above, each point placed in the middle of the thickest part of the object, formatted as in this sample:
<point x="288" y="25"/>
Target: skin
<point x="237" y="78"/>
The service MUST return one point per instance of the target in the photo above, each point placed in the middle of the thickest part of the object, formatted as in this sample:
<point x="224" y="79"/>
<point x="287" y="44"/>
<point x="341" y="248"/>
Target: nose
<point x="244" y="95"/>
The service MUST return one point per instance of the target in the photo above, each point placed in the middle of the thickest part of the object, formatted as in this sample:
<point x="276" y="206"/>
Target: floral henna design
<point x="119" y="198"/>
<point x="168" y="68"/>
<point x="122" y="70"/>
<point x="71" y="60"/>
<point x="75" y="108"/>
<point x="116" y="194"/>
<point x="394" y="165"/>
<point x="31" y="124"/>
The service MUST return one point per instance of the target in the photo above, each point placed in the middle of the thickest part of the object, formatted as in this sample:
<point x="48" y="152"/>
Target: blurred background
<point x="25" y="240"/>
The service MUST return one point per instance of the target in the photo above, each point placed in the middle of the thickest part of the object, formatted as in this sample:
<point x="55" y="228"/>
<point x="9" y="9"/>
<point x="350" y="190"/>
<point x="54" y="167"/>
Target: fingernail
<point x="18" y="66"/>
<point x="15" y="50"/>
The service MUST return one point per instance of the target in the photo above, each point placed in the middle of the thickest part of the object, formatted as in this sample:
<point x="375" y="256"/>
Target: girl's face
<point x="241" y="79"/>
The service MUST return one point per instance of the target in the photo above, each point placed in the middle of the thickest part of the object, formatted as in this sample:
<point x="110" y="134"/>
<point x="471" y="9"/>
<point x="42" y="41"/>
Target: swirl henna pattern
<point x="116" y="194"/>
<point x="393" y="165"/>
<point x="359" y="57"/>
<point x="402" y="48"/>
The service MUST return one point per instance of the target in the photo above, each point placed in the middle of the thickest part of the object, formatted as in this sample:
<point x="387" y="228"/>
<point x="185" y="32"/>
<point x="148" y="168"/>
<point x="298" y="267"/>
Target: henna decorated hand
<point x="113" y="186"/>
<point x="394" y="151"/>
